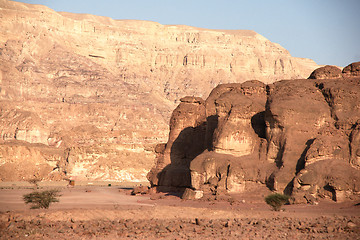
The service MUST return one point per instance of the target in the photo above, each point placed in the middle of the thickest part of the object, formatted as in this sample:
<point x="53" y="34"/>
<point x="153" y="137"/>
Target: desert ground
<point x="98" y="211"/>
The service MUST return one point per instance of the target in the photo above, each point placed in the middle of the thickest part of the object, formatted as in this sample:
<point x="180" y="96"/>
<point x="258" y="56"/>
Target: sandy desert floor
<point x="110" y="212"/>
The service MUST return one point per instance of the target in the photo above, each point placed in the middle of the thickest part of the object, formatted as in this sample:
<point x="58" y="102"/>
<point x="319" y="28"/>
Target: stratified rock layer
<point x="101" y="91"/>
<point x="299" y="137"/>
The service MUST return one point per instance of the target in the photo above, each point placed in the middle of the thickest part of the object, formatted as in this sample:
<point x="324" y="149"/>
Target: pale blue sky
<point x="327" y="31"/>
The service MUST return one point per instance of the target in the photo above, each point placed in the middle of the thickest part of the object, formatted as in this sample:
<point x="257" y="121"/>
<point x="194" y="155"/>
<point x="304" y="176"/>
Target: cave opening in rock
<point x="331" y="190"/>
<point x="258" y="124"/>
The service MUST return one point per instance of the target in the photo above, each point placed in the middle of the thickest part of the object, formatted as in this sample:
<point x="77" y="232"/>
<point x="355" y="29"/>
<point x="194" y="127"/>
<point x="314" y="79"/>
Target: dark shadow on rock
<point x="331" y="190"/>
<point x="270" y="182"/>
<point x="174" y="177"/>
<point x="178" y="193"/>
<point x="189" y="144"/>
<point x="212" y="124"/>
<point x="279" y="157"/>
<point x="289" y="188"/>
<point x="301" y="162"/>
<point x="258" y="124"/>
<point x="125" y="188"/>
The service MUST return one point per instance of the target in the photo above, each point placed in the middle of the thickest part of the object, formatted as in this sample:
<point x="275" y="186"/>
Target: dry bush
<point x="42" y="199"/>
<point x="276" y="200"/>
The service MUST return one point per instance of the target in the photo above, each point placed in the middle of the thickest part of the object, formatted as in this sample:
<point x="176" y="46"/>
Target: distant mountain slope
<point x="78" y="82"/>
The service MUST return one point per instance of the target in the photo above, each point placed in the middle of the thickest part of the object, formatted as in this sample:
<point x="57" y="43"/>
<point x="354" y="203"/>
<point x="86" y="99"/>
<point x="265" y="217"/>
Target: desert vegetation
<point x="276" y="200"/>
<point x="42" y="199"/>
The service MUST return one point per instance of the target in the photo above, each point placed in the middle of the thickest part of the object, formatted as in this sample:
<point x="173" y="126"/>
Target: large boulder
<point x="235" y="114"/>
<point x="326" y="72"/>
<point x="352" y="70"/>
<point x="235" y="123"/>
<point x="332" y="178"/>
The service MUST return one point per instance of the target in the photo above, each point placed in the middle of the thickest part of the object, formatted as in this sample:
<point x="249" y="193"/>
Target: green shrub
<point x="276" y="200"/>
<point x="42" y="199"/>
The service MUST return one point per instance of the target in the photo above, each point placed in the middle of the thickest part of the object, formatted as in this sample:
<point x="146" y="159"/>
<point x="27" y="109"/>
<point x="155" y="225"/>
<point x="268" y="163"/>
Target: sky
<point x="327" y="31"/>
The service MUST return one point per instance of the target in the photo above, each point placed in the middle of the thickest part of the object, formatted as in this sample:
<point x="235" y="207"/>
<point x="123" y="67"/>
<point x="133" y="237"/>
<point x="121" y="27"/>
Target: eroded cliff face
<point x="101" y="91"/>
<point x="298" y="137"/>
<point x="52" y="47"/>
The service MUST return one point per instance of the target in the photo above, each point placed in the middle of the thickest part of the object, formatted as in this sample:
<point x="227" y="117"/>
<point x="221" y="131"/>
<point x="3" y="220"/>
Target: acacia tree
<point x="42" y="199"/>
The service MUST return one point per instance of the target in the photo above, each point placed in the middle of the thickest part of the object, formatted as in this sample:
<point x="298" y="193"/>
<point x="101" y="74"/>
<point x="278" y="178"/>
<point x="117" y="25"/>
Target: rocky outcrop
<point x="299" y="137"/>
<point x="295" y="113"/>
<point x="235" y="116"/>
<point x="326" y="72"/>
<point x="233" y="132"/>
<point x="333" y="178"/>
<point x="353" y="70"/>
<point x="186" y="141"/>
<point x="318" y="141"/>
<point x="104" y="89"/>
<point x="332" y="72"/>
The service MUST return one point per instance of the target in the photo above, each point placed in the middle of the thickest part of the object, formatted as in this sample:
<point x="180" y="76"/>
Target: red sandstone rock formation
<point x="304" y="141"/>
<point x="353" y="70"/>
<point x="326" y="72"/>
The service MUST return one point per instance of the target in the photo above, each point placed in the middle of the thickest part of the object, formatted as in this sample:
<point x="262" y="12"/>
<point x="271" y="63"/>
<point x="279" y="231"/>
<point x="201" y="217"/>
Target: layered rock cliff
<point x="297" y="137"/>
<point x="99" y="91"/>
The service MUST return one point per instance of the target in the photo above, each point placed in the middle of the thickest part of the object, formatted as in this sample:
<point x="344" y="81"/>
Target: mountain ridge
<point x="92" y="85"/>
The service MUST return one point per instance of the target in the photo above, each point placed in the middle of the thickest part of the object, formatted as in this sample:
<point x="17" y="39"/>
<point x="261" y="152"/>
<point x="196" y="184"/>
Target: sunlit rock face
<point x="239" y="112"/>
<point x="69" y="53"/>
<point x="295" y="112"/>
<point x="299" y="137"/>
<point x="101" y="91"/>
